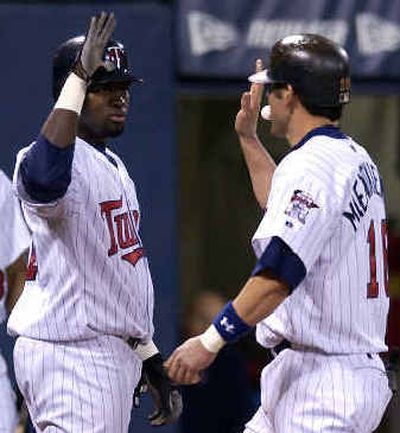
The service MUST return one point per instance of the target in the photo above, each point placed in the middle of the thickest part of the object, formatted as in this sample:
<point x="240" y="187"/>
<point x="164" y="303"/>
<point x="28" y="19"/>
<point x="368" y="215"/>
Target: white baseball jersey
<point x="15" y="237"/>
<point x="88" y="271"/>
<point x="325" y="228"/>
<point x="327" y="205"/>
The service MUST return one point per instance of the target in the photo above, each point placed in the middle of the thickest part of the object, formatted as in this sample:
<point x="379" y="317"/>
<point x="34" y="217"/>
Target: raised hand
<point x="91" y="57"/>
<point x="247" y="117"/>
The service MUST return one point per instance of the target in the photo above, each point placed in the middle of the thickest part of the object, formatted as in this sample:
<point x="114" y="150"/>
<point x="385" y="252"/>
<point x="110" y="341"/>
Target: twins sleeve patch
<point x="299" y="207"/>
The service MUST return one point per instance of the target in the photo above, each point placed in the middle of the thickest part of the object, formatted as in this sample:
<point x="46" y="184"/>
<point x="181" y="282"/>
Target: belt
<point x="285" y="344"/>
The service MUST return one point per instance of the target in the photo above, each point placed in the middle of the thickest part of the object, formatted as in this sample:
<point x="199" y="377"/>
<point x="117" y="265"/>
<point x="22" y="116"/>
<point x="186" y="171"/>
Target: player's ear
<point x="285" y="93"/>
<point x="289" y="91"/>
<point x="291" y="96"/>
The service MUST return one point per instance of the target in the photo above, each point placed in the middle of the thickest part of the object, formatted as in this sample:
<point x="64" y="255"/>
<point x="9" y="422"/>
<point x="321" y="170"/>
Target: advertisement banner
<point x="222" y="39"/>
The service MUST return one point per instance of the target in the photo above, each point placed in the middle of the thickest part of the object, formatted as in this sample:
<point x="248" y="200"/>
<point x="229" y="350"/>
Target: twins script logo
<point x="122" y="231"/>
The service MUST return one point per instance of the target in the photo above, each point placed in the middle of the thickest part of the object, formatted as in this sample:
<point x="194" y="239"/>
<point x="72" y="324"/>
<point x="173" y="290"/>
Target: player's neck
<point x="89" y="138"/>
<point x="302" y="123"/>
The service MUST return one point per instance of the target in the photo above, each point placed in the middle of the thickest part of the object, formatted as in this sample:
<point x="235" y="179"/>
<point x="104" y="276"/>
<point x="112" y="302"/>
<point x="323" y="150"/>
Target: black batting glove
<point x="166" y="397"/>
<point x="91" y="57"/>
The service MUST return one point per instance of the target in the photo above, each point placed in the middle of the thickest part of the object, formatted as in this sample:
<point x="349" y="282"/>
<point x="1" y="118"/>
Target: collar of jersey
<point x="102" y="149"/>
<point x="327" y="130"/>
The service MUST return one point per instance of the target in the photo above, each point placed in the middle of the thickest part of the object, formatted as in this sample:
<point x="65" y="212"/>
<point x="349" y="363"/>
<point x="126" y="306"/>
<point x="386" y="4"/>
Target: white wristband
<point x="146" y="350"/>
<point x="72" y="94"/>
<point x="212" y="340"/>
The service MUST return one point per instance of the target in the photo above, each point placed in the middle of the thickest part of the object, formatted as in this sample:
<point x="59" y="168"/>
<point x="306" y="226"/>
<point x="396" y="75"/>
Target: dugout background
<point x="180" y="147"/>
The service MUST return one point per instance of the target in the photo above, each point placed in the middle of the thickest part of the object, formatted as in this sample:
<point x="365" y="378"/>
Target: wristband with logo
<point x="229" y="325"/>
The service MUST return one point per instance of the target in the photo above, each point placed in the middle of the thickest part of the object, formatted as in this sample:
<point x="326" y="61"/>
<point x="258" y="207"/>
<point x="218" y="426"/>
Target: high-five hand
<point x="188" y="361"/>
<point x="247" y="117"/>
<point x="100" y="31"/>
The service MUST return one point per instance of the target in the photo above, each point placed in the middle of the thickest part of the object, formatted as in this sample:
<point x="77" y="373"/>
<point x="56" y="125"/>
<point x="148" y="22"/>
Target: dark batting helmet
<point x="115" y="59"/>
<point x="316" y="67"/>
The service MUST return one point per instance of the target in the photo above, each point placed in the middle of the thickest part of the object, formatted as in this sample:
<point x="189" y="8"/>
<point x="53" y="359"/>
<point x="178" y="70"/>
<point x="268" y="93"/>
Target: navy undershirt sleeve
<point x="46" y="170"/>
<point x="279" y="258"/>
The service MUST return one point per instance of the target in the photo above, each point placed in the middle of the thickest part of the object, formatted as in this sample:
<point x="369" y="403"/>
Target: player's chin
<point x="115" y="129"/>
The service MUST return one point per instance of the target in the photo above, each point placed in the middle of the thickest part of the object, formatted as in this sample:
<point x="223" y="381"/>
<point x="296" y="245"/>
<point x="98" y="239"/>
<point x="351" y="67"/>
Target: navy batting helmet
<point x="316" y="67"/>
<point x="115" y="59"/>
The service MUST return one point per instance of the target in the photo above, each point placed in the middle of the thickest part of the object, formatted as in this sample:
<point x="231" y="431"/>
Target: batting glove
<point x="90" y="58"/>
<point x="166" y="397"/>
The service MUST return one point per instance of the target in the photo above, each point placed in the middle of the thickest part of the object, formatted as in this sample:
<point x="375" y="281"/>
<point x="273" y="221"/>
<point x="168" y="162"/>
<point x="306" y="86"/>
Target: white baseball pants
<point x="77" y="387"/>
<point x="308" y="392"/>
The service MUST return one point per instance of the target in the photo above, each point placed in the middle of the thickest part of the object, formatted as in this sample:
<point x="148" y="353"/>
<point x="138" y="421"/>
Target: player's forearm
<point x="260" y="165"/>
<point x="61" y="126"/>
<point x="46" y="168"/>
<point x="260" y="296"/>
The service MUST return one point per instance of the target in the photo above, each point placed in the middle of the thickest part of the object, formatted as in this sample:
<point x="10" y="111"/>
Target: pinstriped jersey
<point x="327" y="205"/>
<point x="88" y="272"/>
<point x="14" y="235"/>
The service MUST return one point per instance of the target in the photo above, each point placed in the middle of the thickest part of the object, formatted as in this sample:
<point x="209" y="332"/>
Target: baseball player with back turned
<point x="322" y="255"/>
<point x="15" y="240"/>
<point x="84" y="320"/>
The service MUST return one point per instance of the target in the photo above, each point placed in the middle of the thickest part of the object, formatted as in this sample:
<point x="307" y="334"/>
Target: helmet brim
<point x="105" y="77"/>
<point x="127" y="79"/>
<point x="261" y="77"/>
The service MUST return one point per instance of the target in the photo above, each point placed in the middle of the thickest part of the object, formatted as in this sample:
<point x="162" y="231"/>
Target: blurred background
<point x="181" y="149"/>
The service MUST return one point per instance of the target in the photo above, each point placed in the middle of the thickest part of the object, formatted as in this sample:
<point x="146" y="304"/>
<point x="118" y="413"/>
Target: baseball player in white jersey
<point x="321" y="277"/>
<point x="15" y="240"/>
<point x="84" y="320"/>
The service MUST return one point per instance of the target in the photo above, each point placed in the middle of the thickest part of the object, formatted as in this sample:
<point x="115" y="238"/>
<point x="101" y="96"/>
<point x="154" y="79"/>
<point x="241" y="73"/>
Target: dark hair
<point x="331" y="113"/>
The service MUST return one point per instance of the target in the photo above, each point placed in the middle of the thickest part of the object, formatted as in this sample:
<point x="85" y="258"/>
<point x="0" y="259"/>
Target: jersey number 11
<point x="373" y="285"/>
